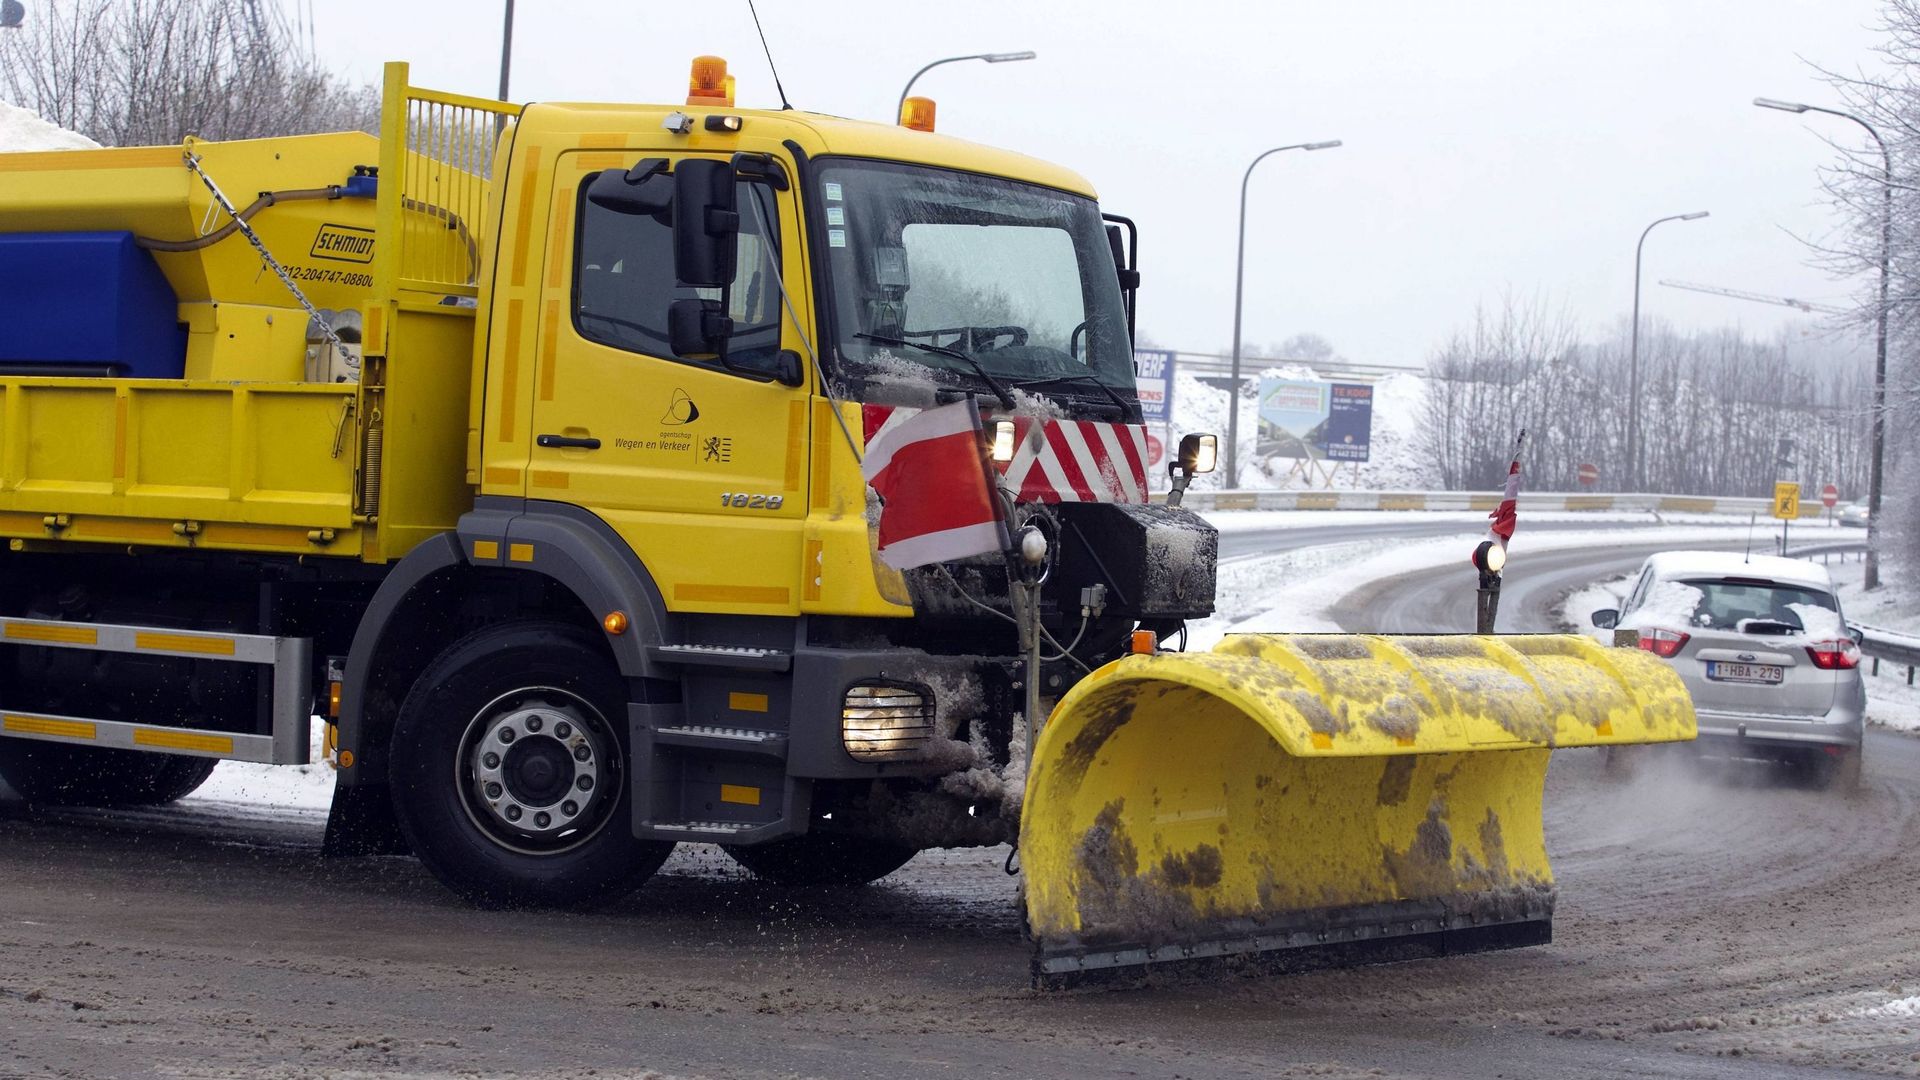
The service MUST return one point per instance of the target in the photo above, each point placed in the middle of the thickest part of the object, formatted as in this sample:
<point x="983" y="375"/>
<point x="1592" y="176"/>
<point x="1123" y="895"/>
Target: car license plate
<point x="1722" y="671"/>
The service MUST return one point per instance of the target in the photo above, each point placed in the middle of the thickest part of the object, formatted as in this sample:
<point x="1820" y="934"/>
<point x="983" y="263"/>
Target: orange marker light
<point x="917" y="113"/>
<point x="709" y="84"/>
<point x="615" y="623"/>
<point x="1144" y="641"/>
<point x="333" y="699"/>
<point x="346" y="759"/>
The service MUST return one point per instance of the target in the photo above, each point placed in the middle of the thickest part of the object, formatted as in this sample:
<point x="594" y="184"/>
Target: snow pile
<point x="1903" y="1009"/>
<point x="1395" y="462"/>
<point x="22" y="129"/>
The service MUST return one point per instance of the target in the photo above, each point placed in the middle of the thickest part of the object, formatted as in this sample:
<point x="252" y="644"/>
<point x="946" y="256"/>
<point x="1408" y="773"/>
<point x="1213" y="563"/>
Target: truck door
<point x="700" y="468"/>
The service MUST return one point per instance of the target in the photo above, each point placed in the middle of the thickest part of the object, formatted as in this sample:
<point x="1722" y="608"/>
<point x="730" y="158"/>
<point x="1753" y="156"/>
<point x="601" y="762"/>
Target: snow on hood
<point x="22" y="129"/>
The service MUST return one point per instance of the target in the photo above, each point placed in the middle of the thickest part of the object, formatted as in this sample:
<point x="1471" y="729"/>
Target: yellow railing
<point x="436" y="165"/>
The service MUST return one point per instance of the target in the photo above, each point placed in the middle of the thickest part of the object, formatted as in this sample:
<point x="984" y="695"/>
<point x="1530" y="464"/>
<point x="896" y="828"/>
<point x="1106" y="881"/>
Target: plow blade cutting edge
<point x="1306" y="800"/>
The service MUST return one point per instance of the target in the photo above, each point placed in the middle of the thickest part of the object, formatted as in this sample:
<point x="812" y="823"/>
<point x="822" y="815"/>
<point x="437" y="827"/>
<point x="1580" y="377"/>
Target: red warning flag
<point x="931" y="474"/>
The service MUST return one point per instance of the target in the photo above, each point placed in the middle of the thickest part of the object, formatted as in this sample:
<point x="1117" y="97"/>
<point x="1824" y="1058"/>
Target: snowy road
<point x="1706" y="929"/>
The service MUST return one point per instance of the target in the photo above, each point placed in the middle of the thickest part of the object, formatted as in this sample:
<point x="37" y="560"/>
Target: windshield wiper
<point x="999" y="391"/>
<point x="1053" y="379"/>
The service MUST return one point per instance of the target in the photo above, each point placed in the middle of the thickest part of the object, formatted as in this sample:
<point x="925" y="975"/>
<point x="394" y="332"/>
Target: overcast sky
<point x="1490" y="146"/>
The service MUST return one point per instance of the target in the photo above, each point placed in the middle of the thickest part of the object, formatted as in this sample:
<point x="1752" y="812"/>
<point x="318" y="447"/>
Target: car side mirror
<point x="706" y="223"/>
<point x="1606" y="618"/>
<point x="1858" y="635"/>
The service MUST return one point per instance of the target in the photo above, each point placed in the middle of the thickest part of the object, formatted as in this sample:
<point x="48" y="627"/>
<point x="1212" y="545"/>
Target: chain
<point x="246" y="230"/>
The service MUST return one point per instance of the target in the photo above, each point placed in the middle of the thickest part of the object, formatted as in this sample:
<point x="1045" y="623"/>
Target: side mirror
<point x="1117" y="241"/>
<point x="698" y="329"/>
<point x="1858" y="635"/>
<point x="706" y="223"/>
<point x="1606" y="618"/>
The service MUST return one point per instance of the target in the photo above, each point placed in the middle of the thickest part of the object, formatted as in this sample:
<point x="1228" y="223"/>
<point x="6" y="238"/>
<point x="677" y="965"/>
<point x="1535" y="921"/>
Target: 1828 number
<point x="742" y="501"/>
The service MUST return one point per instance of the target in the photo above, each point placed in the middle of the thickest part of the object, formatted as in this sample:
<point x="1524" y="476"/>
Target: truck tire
<point x="822" y="859"/>
<point x="56" y="774"/>
<point x="510" y="771"/>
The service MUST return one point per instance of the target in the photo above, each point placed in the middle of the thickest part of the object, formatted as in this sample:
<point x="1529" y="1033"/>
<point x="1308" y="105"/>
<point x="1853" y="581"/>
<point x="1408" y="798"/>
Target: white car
<point x="1763" y="648"/>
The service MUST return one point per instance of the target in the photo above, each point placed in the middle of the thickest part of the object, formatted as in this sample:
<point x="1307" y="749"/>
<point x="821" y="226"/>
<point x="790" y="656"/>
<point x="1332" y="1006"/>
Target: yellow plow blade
<point x="1316" y="799"/>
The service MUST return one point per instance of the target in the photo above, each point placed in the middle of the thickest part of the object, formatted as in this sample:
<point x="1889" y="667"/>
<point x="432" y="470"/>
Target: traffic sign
<point x="1155" y="448"/>
<point x="1829" y="496"/>
<point x="1589" y="474"/>
<point x="1786" y="500"/>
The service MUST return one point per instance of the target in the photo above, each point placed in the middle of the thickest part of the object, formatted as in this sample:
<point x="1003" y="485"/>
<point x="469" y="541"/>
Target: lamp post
<point x="1239" y="286"/>
<point x="1872" y="577"/>
<point x="991" y="58"/>
<point x="506" y="50"/>
<point x="1633" y="362"/>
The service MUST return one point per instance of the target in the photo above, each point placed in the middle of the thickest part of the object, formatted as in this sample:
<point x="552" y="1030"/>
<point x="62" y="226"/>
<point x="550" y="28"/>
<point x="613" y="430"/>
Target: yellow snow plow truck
<point x="522" y="446"/>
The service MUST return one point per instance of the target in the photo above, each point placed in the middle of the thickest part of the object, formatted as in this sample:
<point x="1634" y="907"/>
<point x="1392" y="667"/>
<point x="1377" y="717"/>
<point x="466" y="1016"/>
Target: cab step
<point x="724" y="740"/>
<point x="736" y="657"/>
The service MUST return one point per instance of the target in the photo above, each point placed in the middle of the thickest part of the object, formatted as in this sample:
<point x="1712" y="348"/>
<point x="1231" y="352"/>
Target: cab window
<point x="623" y="279"/>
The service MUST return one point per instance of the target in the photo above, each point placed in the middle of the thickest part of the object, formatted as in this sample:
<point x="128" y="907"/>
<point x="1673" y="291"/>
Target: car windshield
<point x="963" y="279"/>
<point x="1739" y="603"/>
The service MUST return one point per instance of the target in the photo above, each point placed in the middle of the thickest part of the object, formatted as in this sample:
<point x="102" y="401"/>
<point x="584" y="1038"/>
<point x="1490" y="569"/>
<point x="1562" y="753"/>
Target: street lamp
<point x="1872" y="578"/>
<point x="1633" y="363"/>
<point x="1239" y="282"/>
<point x="991" y="58"/>
<point x="506" y="50"/>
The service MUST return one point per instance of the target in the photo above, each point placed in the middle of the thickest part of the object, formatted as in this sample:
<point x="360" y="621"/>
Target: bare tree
<point x="151" y="72"/>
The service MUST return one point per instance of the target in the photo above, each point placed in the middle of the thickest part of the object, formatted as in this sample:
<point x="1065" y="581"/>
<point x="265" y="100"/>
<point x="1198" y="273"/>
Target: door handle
<point x="567" y="442"/>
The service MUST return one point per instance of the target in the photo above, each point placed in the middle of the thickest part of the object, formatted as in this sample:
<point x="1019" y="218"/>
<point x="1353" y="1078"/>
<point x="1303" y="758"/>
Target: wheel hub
<point x="535" y="762"/>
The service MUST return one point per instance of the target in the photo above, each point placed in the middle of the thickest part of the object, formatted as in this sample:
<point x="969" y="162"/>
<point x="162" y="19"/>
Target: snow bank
<point x="22" y="129"/>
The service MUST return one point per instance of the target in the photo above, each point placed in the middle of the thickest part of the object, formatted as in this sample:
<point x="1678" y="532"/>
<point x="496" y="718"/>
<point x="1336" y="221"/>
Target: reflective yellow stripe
<point x="184" y="643"/>
<point x="183" y="740"/>
<point x="733" y="594"/>
<point x="520" y="552"/>
<point x="739" y="702"/>
<point x="738" y="793"/>
<point x="486" y="549"/>
<point x="34" y="725"/>
<point x="71" y="635"/>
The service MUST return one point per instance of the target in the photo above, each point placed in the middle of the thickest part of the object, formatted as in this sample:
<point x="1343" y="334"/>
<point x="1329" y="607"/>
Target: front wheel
<point x="822" y="859"/>
<point x="510" y="771"/>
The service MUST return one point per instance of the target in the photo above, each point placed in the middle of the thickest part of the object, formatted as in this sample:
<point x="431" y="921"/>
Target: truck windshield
<point x="961" y="279"/>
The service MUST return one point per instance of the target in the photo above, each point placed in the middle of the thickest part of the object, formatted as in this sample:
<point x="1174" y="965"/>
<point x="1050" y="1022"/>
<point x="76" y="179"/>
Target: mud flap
<point x="1292" y="801"/>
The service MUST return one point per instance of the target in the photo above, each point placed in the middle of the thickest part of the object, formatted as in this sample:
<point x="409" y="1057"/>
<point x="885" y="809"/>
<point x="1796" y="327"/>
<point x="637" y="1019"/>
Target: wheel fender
<point x="590" y="560"/>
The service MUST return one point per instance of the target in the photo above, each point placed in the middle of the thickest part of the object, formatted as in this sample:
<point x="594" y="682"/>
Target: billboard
<point x="1153" y="379"/>
<point x="1306" y="418"/>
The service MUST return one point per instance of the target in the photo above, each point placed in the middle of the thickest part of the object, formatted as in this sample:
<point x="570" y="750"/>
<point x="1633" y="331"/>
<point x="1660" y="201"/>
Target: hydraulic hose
<point x="266" y="199"/>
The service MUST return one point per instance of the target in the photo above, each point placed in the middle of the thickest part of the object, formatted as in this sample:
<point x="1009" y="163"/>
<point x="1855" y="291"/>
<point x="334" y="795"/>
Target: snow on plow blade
<point x="1307" y="800"/>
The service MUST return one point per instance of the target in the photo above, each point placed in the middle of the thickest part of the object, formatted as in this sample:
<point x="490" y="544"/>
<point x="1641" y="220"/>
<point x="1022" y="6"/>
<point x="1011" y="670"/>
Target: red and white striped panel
<point x="1061" y="461"/>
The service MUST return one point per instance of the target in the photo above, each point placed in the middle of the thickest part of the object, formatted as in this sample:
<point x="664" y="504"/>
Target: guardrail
<point x="1891" y="646"/>
<point x="1485" y="500"/>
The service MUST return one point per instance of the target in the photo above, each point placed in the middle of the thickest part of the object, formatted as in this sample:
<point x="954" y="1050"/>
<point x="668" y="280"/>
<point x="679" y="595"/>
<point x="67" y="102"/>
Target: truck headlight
<point x="886" y="723"/>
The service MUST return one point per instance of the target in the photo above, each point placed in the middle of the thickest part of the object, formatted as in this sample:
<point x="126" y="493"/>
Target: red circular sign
<point x="1154" y="450"/>
<point x="1829" y="496"/>
<point x="1589" y="474"/>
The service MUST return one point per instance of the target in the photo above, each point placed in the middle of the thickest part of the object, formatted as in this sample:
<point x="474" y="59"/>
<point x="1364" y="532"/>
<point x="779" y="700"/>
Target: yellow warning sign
<point x="1786" y="500"/>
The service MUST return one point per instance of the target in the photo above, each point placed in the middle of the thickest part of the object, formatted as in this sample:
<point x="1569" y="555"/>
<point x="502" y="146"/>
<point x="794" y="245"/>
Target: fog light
<point x="886" y="723"/>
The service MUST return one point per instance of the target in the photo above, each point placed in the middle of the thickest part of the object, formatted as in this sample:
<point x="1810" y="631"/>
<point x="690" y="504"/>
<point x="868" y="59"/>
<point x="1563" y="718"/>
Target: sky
<point x="1491" y="148"/>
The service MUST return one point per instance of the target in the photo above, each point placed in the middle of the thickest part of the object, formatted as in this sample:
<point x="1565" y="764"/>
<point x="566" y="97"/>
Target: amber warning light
<point x="709" y="84"/>
<point x="917" y="113"/>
